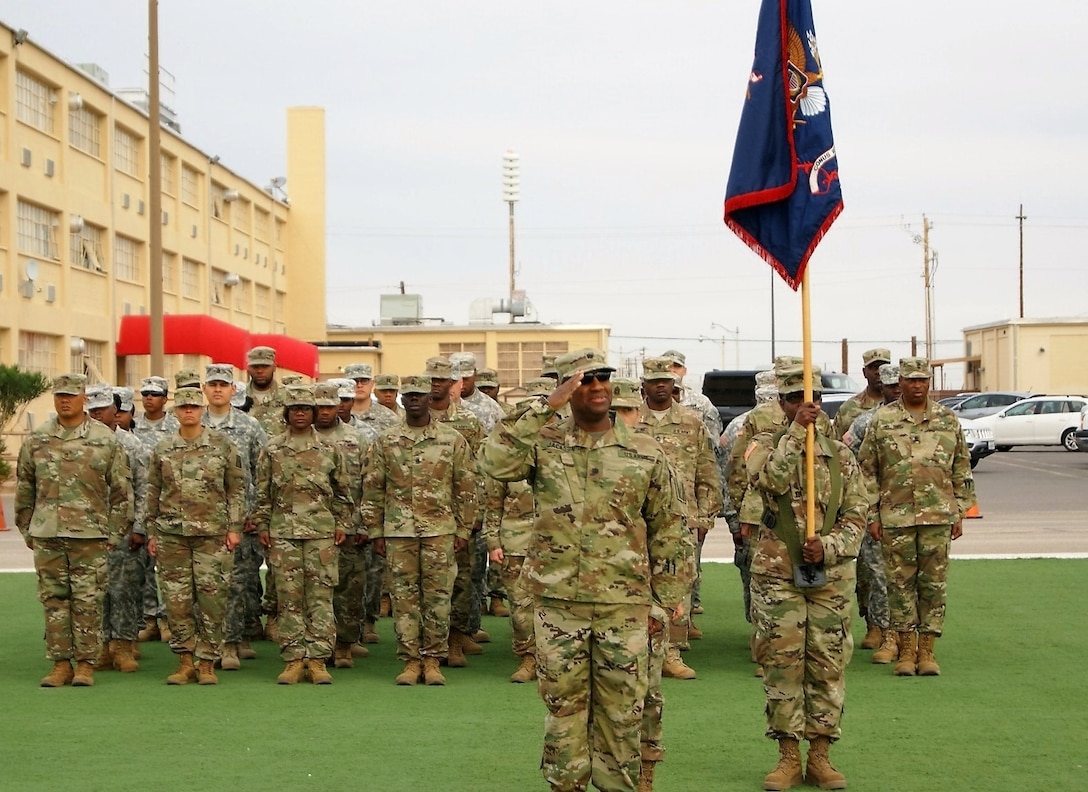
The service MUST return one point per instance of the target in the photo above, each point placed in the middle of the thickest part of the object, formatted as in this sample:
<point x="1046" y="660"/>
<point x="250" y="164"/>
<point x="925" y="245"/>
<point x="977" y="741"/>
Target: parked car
<point x="952" y="401"/>
<point x="985" y="404"/>
<point x="1082" y="431"/>
<point x="832" y="401"/>
<point x="734" y="392"/>
<point x="1038" y="420"/>
<point x="980" y="439"/>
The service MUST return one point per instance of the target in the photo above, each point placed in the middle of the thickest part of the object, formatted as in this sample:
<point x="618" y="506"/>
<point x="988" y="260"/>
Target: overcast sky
<point x="624" y="113"/>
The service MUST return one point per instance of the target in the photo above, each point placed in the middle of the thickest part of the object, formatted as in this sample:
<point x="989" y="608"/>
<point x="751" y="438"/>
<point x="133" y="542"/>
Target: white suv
<point x="1038" y="420"/>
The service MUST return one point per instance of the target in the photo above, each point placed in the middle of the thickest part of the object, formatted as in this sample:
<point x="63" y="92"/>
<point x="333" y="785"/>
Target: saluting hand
<point x="562" y="394"/>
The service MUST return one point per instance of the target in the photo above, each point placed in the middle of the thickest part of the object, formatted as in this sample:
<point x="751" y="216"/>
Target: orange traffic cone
<point x="973" y="513"/>
<point x="3" y="521"/>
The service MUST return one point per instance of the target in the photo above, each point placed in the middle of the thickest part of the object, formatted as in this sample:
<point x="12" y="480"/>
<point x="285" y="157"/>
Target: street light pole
<point x="511" y="192"/>
<point x="736" y="340"/>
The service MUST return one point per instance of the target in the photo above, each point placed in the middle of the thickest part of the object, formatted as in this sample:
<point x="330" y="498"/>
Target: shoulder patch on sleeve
<point x="748" y="451"/>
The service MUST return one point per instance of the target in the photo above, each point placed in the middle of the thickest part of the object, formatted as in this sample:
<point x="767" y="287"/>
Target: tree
<point x="18" y="387"/>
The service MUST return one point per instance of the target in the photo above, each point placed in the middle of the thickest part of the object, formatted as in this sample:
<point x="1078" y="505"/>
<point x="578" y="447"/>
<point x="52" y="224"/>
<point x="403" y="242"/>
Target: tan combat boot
<point x="526" y="671"/>
<point x="123" y="660"/>
<point x="818" y="771"/>
<point x="135" y="647"/>
<point x="498" y="608"/>
<point x="105" y="660"/>
<point x="205" y="672"/>
<point x="908" y="654"/>
<point x="150" y="632"/>
<point x="60" y="676"/>
<point x="370" y="635"/>
<point x="410" y="675"/>
<point x="358" y="650"/>
<point x="164" y="631"/>
<point x="84" y="675"/>
<point x="341" y="656"/>
<point x="271" y="630"/>
<point x="889" y="648"/>
<point x="694" y="633"/>
<point x="646" y="777"/>
<point x="385" y="607"/>
<point x="186" y="673"/>
<point x="675" y="667"/>
<point x="927" y="663"/>
<point x="479" y="637"/>
<point x="319" y="674"/>
<point x="228" y="659"/>
<point x="246" y="651"/>
<point x="292" y="673"/>
<point x="787" y="773"/>
<point x="432" y="674"/>
<point x="456" y="656"/>
<point x="874" y="636"/>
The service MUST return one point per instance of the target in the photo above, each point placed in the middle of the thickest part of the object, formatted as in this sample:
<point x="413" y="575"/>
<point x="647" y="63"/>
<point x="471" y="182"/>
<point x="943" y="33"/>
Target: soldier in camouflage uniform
<point x="419" y="508"/>
<point x="803" y="633"/>
<point x="872" y="396"/>
<point x="608" y="544"/>
<point x="196" y="499"/>
<point x="303" y="513"/>
<point x="365" y="409"/>
<point x="126" y="413"/>
<point x="122" y="608"/>
<point x="243" y="619"/>
<point x="386" y="388"/>
<point x="872" y="579"/>
<point x="487" y="380"/>
<point x="73" y="501"/>
<point x="626" y="399"/>
<point x="918" y="472"/>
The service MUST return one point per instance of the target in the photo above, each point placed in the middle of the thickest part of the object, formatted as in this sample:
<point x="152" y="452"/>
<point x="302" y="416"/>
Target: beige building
<point x="1030" y="355"/>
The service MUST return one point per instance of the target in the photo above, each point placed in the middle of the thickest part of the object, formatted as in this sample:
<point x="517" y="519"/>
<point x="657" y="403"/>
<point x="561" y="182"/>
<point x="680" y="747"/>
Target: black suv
<point x="734" y="392"/>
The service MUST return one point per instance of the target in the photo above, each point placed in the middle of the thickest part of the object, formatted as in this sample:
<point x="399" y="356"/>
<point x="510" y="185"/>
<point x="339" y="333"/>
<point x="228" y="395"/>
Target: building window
<point x="520" y="361"/>
<point x="35" y="102"/>
<point x="240" y="215"/>
<point x="38" y="352"/>
<point x="85" y="130"/>
<point x="126" y="151"/>
<point x="280" y="226"/>
<point x="166" y="166"/>
<point x="240" y="292"/>
<point x="126" y="258"/>
<point x="445" y="350"/>
<point x="260" y="300"/>
<point x="91" y="361"/>
<point x="190" y="279"/>
<point x="219" y="206"/>
<point x="260" y="223"/>
<point x="85" y="248"/>
<point x="190" y="186"/>
<point x="217" y="287"/>
<point x="169" y="273"/>
<point x="37" y="233"/>
<point x="278" y="305"/>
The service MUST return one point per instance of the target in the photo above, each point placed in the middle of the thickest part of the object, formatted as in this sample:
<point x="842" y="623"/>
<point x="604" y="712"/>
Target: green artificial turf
<point x="1010" y="711"/>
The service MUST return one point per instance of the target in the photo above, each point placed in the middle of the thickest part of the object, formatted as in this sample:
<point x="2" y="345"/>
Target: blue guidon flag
<point x="783" y="192"/>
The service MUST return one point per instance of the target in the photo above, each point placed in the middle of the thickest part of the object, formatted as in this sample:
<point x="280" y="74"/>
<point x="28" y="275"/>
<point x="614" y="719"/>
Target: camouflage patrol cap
<point x="126" y="398"/>
<point x="463" y="363"/>
<point x="187" y="378"/>
<point x="261" y="356"/>
<point x="792" y="380"/>
<point x="387" y="382"/>
<point x="889" y="374"/>
<point x="299" y="396"/>
<point x="877" y="355"/>
<point x="219" y="372"/>
<point x="99" y="396"/>
<point x="657" y="368"/>
<point x="547" y="366"/>
<point x="626" y="392"/>
<point x="417" y="383"/>
<point x="188" y="397"/>
<point x="487" y="378"/>
<point x="239" y="397"/>
<point x="783" y="362"/>
<point x="326" y="394"/>
<point x="156" y="386"/>
<point x="539" y="386"/>
<point x="345" y="388"/>
<point x="69" y="385"/>
<point x="437" y="368"/>
<point x="584" y="360"/>
<point x="359" y="371"/>
<point x="292" y="379"/>
<point x="914" y="368"/>
<point x="676" y="356"/>
<point x="765" y="378"/>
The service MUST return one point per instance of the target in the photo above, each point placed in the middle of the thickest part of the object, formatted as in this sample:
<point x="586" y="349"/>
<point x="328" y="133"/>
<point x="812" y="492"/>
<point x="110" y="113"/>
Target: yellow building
<point x="1030" y="355"/>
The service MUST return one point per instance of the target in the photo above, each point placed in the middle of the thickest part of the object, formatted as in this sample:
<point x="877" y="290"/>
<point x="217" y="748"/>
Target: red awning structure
<point x="196" y="334"/>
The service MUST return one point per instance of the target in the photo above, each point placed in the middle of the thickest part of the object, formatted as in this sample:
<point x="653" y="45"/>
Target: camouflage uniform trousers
<point x="465" y="607"/>
<point x="678" y="628"/>
<point x="804" y="644"/>
<point x="523" y="641"/>
<point x="152" y="602"/>
<point x="306" y="572"/>
<point x="742" y="560"/>
<point x="122" y="609"/>
<point x="653" y="750"/>
<point x="377" y="583"/>
<point x="270" y="603"/>
<point x="243" y="620"/>
<point x="916" y="561"/>
<point x="347" y="597"/>
<point x="480" y="577"/>
<point x="496" y="585"/>
<point x="72" y="580"/>
<point x="193" y="575"/>
<point x="872" y="583"/>
<point x="592" y="673"/>
<point x="422" y="572"/>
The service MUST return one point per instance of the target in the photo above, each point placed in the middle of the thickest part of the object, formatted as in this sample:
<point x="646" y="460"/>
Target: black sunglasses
<point x="799" y="396"/>
<point x="600" y="376"/>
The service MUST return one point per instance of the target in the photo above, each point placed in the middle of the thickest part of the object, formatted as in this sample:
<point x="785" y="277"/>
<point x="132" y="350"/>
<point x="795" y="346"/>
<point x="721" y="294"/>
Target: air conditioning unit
<point x="26" y="159"/>
<point x="50" y="168"/>
<point x="26" y="288"/>
<point x="50" y="294"/>
<point x="193" y="232"/>
<point x="124" y="200"/>
<point x="139" y="207"/>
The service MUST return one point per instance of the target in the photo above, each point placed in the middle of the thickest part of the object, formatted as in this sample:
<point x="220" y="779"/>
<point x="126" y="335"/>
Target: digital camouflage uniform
<point x="509" y="511"/>
<point x="609" y="542"/>
<point x="196" y="494"/>
<point x="419" y="493"/>
<point x="267" y="410"/>
<point x="851" y="408"/>
<point x="302" y="499"/>
<point x="122" y="609"/>
<point x="73" y="500"/>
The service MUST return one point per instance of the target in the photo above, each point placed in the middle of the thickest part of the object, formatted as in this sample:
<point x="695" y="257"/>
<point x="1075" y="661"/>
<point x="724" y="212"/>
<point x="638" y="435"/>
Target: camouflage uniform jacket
<point x="779" y="469"/>
<point x="856" y="433"/>
<point x="151" y="432"/>
<point x="690" y="451"/>
<point x="486" y="409"/>
<point x="609" y="522"/>
<point x="73" y="483"/>
<point x="509" y="512"/>
<point x="248" y="438"/>
<point x="465" y="422"/>
<point x="302" y="490"/>
<point x="851" y="409"/>
<point x="917" y="472"/>
<point x="381" y="418"/>
<point x="138" y="457"/>
<point x="420" y="482"/>
<point x="352" y="444"/>
<point x="704" y="408"/>
<point x="195" y="487"/>
<point x="267" y="407"/>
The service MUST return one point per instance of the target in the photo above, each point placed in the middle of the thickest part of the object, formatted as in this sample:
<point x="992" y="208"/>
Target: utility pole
<point x="927" y="275"/>
<point x="154" y="149"/>
<point x="1021" y="218"/>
